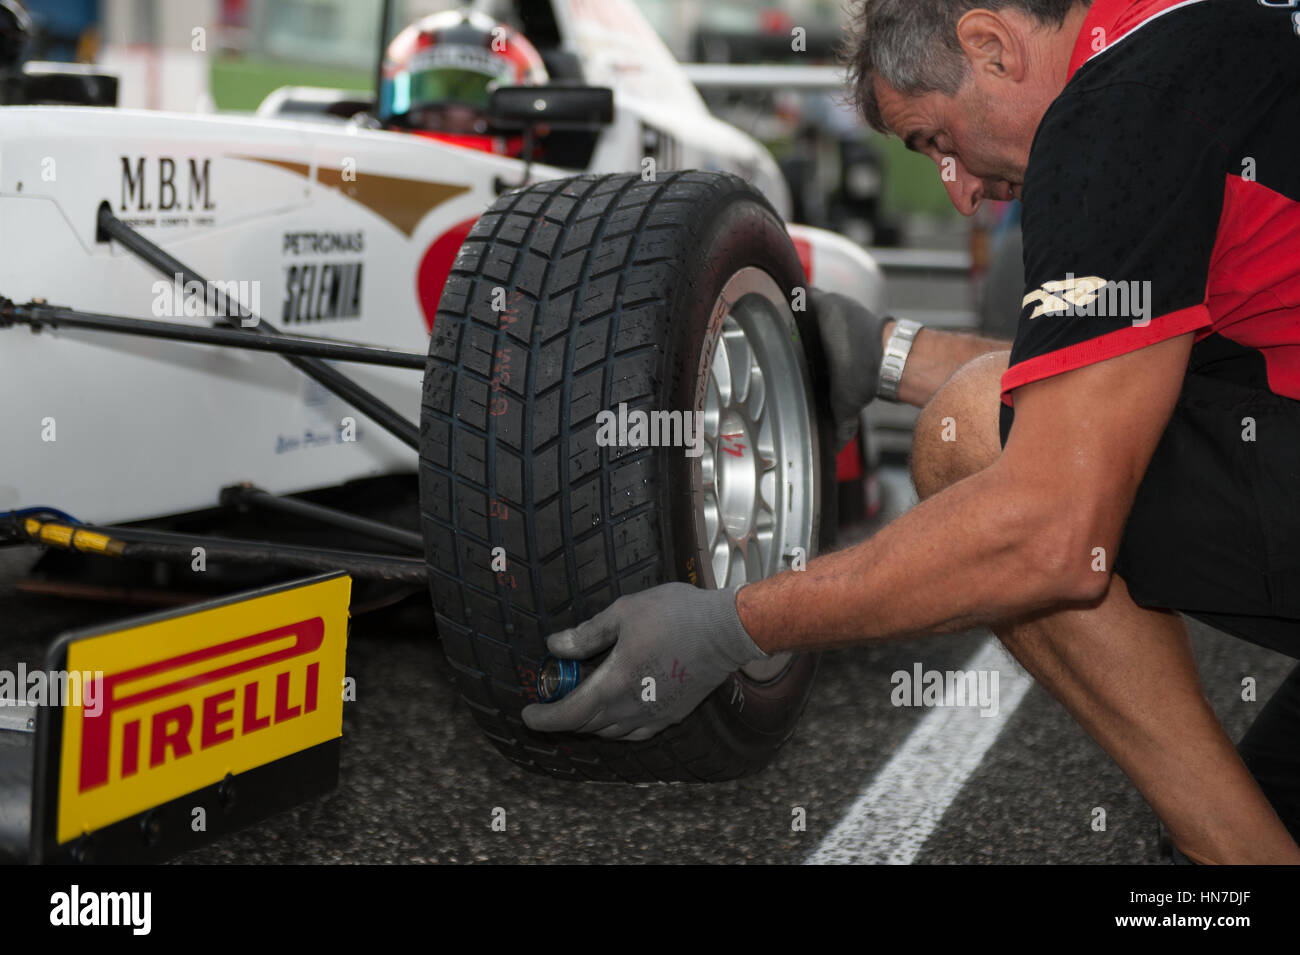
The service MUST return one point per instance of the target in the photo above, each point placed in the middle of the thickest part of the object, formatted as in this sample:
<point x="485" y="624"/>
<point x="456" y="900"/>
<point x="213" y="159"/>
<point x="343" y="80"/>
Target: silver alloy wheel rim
<point x="756" y="478"/>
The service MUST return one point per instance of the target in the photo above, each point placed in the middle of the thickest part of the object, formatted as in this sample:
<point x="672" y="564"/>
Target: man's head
<point x="965" y="82"/>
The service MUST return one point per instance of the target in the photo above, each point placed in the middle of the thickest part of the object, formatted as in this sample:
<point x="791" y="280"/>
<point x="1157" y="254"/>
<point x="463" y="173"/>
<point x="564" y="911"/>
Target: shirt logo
<point x="1063" y="295"/>
<point x="1091" y="297"/>
<point x="1285" y="5"/>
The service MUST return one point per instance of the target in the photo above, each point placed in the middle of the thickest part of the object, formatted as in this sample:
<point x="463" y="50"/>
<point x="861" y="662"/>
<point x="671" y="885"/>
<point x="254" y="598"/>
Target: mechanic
<point x="1107" y="471"/>
<point x="439" y="75"/>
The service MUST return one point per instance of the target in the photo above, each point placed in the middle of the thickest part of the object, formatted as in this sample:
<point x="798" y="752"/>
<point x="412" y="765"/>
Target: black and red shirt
<point x="1162" y="194"/>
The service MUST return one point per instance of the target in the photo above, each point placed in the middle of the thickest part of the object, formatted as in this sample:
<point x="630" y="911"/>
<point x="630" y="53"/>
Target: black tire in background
<point x="567" y="298"/>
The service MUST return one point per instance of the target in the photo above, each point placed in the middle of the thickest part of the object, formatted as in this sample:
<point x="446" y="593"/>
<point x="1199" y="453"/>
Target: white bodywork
<point x="115" y="428"/>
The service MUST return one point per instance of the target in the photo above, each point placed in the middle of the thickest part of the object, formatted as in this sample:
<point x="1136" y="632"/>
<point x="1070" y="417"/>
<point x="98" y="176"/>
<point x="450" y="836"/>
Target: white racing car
<point x="500" y="318"/>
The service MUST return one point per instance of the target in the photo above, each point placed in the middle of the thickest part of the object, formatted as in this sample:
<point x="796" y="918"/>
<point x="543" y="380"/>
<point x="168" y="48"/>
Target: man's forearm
<point x="936" y="354"/>
<point x="917" y="574"/>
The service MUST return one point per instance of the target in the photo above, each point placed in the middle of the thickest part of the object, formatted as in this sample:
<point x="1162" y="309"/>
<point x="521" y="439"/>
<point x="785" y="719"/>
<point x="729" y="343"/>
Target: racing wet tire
<point x="567" y="298"/>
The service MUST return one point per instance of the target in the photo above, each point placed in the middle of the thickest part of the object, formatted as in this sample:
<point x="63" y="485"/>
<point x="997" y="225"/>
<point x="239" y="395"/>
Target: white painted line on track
<point x="902" y="806"/>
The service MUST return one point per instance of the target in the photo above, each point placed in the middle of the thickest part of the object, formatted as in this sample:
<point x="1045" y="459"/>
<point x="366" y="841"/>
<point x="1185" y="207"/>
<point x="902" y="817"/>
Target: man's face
<point x="979" y="138"/>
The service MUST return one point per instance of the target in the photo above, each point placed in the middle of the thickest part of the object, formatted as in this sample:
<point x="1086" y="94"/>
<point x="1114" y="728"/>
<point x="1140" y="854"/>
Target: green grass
<point x="242" y="83"/>
<point x="912" y="181"/>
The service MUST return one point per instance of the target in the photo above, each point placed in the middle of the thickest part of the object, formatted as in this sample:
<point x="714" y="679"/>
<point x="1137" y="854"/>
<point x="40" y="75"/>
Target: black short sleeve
<point x="1122" y="199"/>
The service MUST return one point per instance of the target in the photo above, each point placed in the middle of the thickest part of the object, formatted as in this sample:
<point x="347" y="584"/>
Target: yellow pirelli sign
<point x="187" y="699"/>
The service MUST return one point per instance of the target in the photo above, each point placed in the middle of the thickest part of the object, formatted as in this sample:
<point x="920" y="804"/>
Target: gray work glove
<point x="687" y="639"/>
<point x="851" y="339"/>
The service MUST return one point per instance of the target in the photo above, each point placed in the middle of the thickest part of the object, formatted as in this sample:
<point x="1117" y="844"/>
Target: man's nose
<point x="964" y="190"/>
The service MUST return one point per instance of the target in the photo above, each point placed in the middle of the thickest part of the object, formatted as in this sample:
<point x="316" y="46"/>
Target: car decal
<point x="401" y="202"/>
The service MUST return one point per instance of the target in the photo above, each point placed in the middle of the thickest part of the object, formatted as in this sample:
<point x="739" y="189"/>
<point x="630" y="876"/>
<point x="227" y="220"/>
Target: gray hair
<point x="912" y="45"/>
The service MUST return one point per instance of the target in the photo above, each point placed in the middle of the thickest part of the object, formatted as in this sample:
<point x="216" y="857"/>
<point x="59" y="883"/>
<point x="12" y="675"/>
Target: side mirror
<point x="62" y="84"/>
<point x="559" y="107"/>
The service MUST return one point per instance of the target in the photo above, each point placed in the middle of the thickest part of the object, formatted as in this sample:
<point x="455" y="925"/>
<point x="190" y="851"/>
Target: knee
<point x="957" y="432"/>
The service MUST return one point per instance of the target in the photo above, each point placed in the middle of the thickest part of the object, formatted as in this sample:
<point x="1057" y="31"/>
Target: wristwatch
<point x="895" y="358"/>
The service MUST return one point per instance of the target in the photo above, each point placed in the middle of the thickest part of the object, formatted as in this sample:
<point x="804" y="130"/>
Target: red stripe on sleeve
<point x="1119" y="342"/>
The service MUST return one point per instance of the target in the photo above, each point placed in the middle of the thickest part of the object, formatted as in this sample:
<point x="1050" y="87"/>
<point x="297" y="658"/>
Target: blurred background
<point x="255" y="46"/>
<point x="228" y="55"/>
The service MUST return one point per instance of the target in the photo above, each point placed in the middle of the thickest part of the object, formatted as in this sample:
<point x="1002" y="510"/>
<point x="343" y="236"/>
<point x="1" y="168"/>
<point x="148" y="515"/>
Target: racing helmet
<point x="439" y="74"/>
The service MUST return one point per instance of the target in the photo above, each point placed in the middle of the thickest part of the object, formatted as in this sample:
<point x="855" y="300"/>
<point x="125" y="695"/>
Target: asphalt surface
<point x="419" y="783"/>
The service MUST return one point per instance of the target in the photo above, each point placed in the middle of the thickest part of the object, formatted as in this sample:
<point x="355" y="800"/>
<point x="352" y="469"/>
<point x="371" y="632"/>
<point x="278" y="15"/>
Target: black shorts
<point x="1215" y="528"/>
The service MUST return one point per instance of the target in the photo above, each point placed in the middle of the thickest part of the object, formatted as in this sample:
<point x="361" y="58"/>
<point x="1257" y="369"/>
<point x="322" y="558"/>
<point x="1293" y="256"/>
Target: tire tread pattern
<point x="509" y="457"/>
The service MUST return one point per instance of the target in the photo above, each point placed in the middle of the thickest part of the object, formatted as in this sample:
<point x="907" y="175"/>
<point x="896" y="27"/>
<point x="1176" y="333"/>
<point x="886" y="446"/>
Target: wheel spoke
<point x="763" y="544"/>
<point x="722" y="373"/>
<point x="711" y="521"/>
<point x="722" y="561"/>
<point x="755" y="568"/>
<point x="739" y="572"/>
<point x="739" y="360"/>
<point x="712" y="410"/>
<point x="756" y="400"/>
<point x="767" y="491"/>
<point x="767" y="438"/>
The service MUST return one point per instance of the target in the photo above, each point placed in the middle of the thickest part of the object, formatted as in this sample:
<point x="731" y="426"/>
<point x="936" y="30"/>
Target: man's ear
<point x="993" y="45"/>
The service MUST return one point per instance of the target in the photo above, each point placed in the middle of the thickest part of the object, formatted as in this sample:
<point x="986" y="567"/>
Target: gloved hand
<point x="852" y="341"/>
<point x="687" y="639"/>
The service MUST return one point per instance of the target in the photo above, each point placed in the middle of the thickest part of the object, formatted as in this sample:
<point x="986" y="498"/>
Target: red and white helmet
<point x="439" y="74"/>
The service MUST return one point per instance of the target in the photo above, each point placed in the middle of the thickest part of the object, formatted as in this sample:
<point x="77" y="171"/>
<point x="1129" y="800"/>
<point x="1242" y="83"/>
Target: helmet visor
<point x="464" y="76"/>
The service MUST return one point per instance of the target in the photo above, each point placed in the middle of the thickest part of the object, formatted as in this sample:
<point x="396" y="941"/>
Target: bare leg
<point x="1126" y="674"/>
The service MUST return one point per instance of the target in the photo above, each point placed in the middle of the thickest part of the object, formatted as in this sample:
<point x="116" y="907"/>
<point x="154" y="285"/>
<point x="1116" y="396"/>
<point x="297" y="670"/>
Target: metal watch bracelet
<point x="894" y="361"/>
